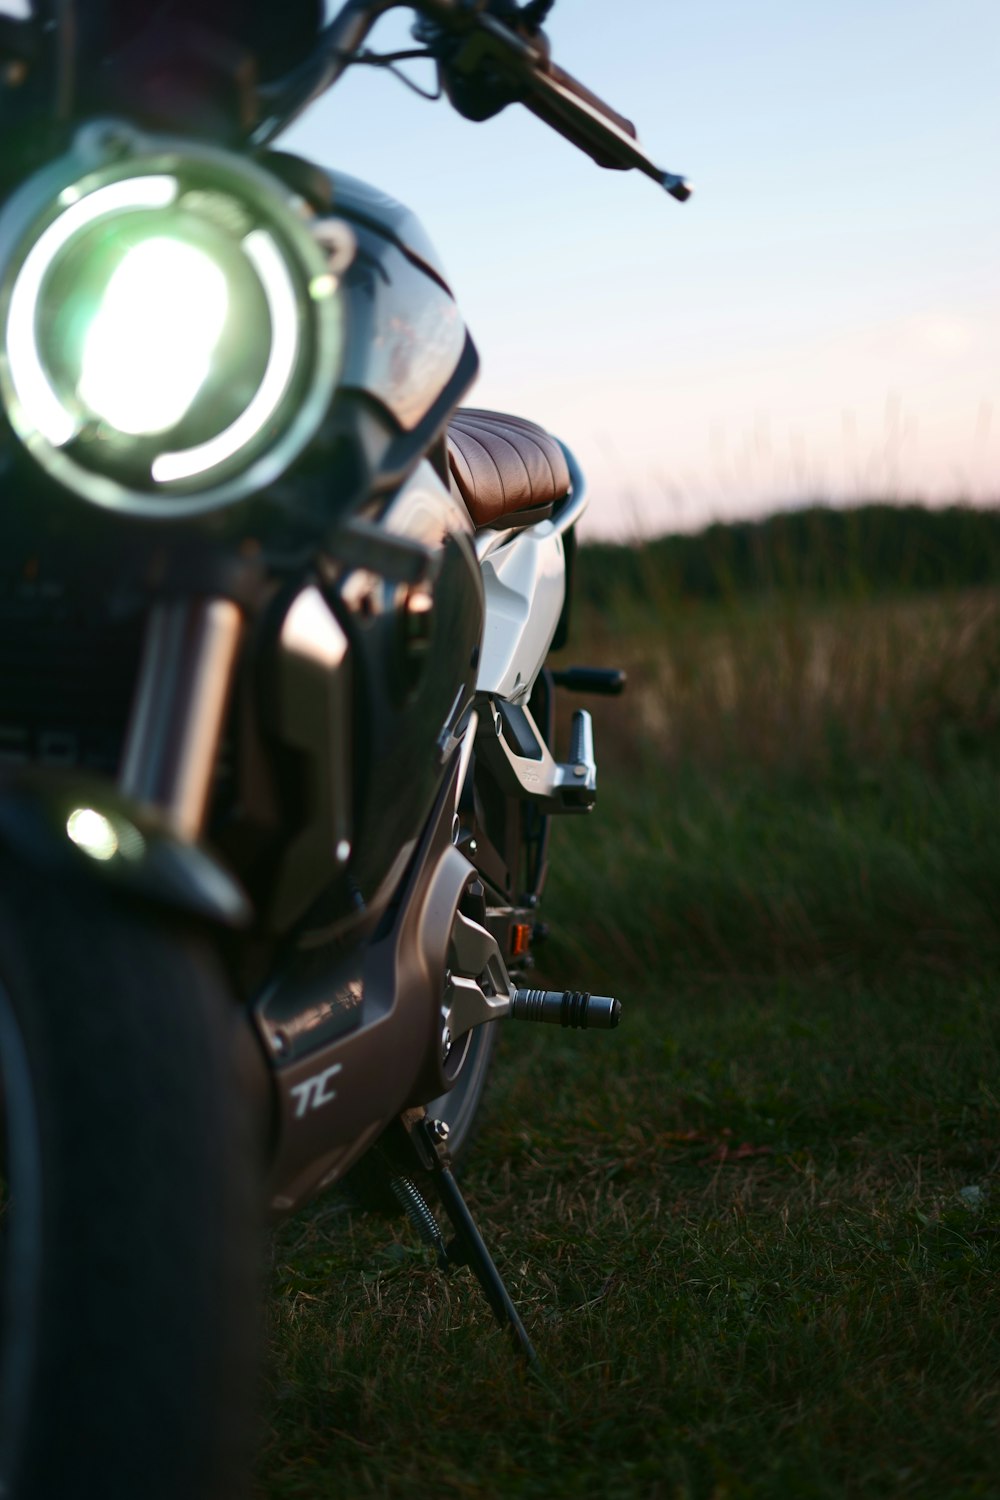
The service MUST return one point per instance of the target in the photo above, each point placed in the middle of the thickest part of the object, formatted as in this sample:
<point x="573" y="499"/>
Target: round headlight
<point x="170" y="331"/>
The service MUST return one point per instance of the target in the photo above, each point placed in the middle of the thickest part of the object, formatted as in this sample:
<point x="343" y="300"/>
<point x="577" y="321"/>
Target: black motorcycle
<point x="276" y="727"/>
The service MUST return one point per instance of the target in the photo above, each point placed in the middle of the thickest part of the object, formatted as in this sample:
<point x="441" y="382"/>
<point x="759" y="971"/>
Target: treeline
<point x="820" y="550"/>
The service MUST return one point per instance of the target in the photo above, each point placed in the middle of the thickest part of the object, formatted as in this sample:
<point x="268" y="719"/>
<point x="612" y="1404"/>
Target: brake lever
<point x="596" y="133"/>
<point x="488" y="66"/>
<point x="485" y="65"/>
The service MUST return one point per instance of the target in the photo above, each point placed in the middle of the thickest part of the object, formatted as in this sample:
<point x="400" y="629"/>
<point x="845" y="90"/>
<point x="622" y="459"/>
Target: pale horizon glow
<point x="821" y="321"/>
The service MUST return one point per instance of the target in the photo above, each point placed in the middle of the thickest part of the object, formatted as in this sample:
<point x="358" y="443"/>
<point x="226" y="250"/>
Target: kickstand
<point x="468" y="1248"/>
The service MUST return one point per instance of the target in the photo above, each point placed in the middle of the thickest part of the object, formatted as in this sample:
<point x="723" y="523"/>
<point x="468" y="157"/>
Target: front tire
<point x="129" y="1236"/>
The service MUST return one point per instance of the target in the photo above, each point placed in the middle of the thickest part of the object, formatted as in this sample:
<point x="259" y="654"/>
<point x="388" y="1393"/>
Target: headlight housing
<point x="170" y="330"/>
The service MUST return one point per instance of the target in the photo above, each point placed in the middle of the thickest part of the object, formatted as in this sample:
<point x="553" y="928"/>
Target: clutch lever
<point x="485" y="65"/>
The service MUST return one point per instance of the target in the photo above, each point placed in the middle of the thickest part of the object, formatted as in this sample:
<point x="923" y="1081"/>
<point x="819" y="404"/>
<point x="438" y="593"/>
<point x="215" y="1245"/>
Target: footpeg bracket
<point x="528" y="769"/>
<point x="479" y="990"/>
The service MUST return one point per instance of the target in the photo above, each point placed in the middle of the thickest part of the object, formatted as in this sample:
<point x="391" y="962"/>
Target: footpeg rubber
<point x="603" y="681"/>
<point x="566" y="1008"/>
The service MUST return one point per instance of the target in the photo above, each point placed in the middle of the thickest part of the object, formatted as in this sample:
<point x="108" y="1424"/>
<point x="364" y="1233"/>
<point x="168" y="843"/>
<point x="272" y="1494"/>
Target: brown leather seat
<point x="503" y="465"/>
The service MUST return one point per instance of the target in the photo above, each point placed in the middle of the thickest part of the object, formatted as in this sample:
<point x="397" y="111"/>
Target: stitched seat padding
<point x="504" y="464"/>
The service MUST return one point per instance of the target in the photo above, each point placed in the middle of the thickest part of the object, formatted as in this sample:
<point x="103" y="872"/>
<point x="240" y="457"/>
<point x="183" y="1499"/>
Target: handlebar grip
<point x="574" y="86"/>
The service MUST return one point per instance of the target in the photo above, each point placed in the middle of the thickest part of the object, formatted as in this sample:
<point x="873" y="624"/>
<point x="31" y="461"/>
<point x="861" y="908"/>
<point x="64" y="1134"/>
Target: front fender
<point x="73" y="826"/>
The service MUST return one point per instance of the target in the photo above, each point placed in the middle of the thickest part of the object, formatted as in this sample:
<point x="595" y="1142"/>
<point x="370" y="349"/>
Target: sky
<point x="820" y="321"/>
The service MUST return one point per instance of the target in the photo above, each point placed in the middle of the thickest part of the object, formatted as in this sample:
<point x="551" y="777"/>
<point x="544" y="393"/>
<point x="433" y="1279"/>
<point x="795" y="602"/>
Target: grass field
<point x="754" y="1234"/>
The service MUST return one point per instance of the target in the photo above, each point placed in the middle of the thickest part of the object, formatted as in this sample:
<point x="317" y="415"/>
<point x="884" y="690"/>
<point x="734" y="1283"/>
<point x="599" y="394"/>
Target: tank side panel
<point x="417" y="650"/>
<point x="406" y="335"/>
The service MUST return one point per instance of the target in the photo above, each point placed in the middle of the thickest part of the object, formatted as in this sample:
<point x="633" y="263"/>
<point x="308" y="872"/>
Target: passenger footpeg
<point x="578" y="778"/>
<point x="606" y="682"/>
<point x="566" y="1008"/>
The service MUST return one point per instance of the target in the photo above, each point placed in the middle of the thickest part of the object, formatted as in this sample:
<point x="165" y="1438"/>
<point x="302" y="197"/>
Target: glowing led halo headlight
<point x="170" y="331"/>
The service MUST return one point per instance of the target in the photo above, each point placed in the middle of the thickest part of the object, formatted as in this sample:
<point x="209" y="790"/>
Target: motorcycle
<point x="277" y="722"/>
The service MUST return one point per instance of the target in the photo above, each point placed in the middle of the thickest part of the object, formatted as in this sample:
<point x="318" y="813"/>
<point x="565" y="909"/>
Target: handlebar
<point x="285" y="100"/>
<point x="485" y="64"/>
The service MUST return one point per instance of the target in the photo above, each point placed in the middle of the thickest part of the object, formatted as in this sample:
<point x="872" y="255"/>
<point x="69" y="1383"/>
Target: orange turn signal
<point x="520" y="939"/>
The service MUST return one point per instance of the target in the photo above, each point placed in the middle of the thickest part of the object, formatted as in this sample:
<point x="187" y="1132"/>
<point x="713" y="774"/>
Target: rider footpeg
<point x="566" y="1008"/>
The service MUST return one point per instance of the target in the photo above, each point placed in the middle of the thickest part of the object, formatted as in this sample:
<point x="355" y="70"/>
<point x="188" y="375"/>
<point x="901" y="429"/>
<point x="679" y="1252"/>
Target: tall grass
<point x="794" y="785"/>
<point x="816" y="551"/>
<point x="789" y="684"/>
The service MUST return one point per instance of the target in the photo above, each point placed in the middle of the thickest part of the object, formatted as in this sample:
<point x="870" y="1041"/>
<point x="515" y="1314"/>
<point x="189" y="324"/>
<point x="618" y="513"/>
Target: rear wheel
<point x="129" y="1232"/>
<point x="459" y="1108"/>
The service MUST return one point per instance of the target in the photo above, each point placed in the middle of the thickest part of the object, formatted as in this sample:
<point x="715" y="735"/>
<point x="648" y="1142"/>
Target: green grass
<point x="754" y="1234"/>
